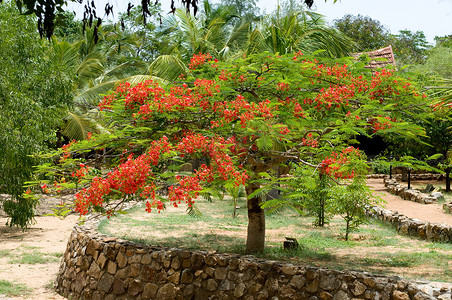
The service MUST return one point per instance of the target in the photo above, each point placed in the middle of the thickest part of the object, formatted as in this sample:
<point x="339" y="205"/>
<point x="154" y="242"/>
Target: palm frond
<point x="77" y="126"/>
<point x="91" y="96"/>
<point x="168" y="67"/>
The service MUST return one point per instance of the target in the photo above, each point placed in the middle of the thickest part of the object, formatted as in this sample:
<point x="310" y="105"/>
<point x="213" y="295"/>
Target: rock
<point x="211" y="285"/>
<point x="121" y="259"/>
<point x="174" y="278"/>
<point x="325" y="296"/>
<point x="359" y="288"/>
<point x="286" y="292"/>
<point x="289" y="269"/>
<point x="438" y="196"/>
<point x="146" y="259"/>
<point x="220" y="273"/>
<point x="135" y="287"/>
<point x="370" y="282"/>
<point x="313" y="286"/>
<point x="341" y="295"/>
<point x="167" y="292"/>
<point x="105" y="282"/>
<point x="150" y="291"/>
<point x="186" y="276"/>
<point x="111" y="267"/>
<point x="398" y="295"/>
<point x="197" y="261"/>
<point x="101" y="260"/>
<point x="118" y="286"/>
<point x="298" y="281"/>
<point x="134" y="270"/>
<point x="226" y="285"/>
<point x="421" y="296"/>
<point x="94" y="270"/>
<point x="239" y="290"/>
<point x="189" y="291"/>
<point x="403" y="229"/>
<point x="272" y="284"/>
<point x="328" y="283"/>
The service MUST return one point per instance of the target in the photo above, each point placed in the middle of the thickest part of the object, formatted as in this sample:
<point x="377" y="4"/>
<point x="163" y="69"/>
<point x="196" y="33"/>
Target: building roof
<point x="380" y="58"/>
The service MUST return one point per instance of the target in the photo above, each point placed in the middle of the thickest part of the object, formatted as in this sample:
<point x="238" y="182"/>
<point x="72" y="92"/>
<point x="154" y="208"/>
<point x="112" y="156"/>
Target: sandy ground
<point x="50" y="234"/>
<point x="430" y="212"/>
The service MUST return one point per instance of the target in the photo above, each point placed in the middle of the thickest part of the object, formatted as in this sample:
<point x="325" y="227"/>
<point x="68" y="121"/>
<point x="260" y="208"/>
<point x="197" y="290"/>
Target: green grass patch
<point x="13" y="289"/>
<point x="32" y="256"/>
<point x="5" y="253"/>
<point x="375" y="247"/>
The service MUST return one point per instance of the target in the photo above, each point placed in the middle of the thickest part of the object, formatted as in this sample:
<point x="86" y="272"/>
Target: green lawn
<point x="374" y="248"/>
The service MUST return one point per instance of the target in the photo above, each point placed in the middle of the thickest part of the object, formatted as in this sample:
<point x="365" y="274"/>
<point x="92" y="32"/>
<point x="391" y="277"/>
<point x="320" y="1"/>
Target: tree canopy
<point x="241" y="120"/>
<point x="49" y="13"/>
<point x="34" y="93"/>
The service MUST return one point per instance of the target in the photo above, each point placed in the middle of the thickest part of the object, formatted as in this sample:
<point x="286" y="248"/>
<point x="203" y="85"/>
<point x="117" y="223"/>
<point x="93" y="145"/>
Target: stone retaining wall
<point x="413" y="227"/>
<point x="96" y="266"/>
<point x="447" y="207"/>
<point x="426" y="176"/>
<point x="396" y="188"/>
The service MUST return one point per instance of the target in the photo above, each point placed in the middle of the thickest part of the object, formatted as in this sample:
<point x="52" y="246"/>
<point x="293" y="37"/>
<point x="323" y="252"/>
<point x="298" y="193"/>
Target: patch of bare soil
<point x="425" y="212"/>
<point x="46" y="238"/>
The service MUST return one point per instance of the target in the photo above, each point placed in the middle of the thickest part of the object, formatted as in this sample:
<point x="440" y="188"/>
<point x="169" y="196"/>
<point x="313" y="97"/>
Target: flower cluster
<point x="310" y="141"/>
<point x="381" y="123"/>
<point x="198" y="60"/>
<point x="334" y="96"/>
<point x="338" y="164"/>
<point x="80" y="172"/>
<point x="240" y="109"/>
<point x="134" y="176"/>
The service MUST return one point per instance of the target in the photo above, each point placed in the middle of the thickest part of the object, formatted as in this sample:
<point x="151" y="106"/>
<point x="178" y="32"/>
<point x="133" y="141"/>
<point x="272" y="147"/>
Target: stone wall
<point x="447" y="207"/>
<point x="423" y="176"/>
<point x="416" y="228"/>
<point x="393" y="187"/>
<point x="96" y="266"/>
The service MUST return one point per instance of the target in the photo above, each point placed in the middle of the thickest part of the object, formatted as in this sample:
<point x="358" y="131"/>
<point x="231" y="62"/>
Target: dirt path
<point x="49" y="237"/>
<point x="424" y="212"/>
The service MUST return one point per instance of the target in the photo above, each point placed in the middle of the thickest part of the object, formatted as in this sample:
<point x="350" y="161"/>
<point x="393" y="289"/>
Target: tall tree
<point x="369" y="34"/>
<point x="34" y="93"/>
<point x="287" y="31"/>
<point x="409" y="47"/>
<point x="243" y="119"/>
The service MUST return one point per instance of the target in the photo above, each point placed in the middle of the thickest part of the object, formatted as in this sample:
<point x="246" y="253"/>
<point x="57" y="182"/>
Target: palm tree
<point x="298" y="30"/>
<point x="97" y="68"/>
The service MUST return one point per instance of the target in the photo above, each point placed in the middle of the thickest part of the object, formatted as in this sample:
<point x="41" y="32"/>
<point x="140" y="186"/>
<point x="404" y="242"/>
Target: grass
<point x="13" y="289"/>
<point x="375" y="247"/>
<point x="30" y="255"/>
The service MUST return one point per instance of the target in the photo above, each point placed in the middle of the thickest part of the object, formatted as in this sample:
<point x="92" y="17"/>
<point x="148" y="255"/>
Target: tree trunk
<point x="448" y="179"/>
<point x="255" y="240"/>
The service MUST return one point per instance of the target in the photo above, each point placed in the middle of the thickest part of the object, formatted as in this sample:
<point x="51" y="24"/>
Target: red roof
<point x="384" y="57"/>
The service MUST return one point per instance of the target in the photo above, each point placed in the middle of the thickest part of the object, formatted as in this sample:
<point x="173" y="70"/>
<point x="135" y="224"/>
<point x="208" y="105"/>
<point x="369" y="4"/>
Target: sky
<point x="433" y="17"/>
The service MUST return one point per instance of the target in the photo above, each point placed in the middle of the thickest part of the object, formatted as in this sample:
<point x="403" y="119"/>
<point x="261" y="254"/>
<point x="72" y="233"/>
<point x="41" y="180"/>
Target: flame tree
<point x="241" y="120"/>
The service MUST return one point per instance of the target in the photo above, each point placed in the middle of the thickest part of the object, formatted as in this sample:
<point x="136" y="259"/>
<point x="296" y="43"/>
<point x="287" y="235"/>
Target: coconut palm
<point x="97" y="68"/>
<point x="298" y="30"/>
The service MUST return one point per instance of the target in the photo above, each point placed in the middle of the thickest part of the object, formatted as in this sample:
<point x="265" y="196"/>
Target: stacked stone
<point x="416" y="228"/>
<point x="425" y="176"/>
<point x="377" y="176"/>
<point x="393" y="187"/>
<point x="447" y="208"/>
<point x="96" y="266"/>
